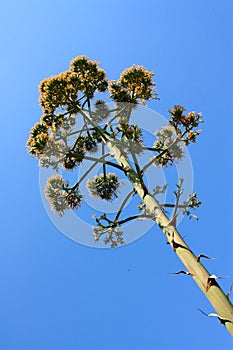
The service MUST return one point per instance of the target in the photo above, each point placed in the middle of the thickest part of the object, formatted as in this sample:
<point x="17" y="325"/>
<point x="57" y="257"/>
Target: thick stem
<point x="214" y="294"/>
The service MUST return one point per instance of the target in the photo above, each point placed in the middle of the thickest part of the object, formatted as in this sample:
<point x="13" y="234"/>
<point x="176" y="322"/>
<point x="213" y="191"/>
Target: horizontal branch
<point x="102" y="160"/>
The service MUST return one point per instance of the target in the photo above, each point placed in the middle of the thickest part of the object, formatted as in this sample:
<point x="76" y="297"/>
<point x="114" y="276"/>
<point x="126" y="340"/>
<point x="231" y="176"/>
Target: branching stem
<point x="123" y="204"/>
<point x="89" y="170"/>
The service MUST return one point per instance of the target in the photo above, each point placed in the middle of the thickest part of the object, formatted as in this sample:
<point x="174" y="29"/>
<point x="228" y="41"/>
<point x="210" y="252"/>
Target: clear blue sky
<point x="56" y="294"/>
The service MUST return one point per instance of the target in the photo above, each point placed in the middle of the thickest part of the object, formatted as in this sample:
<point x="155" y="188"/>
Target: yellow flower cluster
<point x="58" y="91"/>
<point x="185" y="123"/>
<point x="38" y="139"/>
<point x="135" y="84"/>
<point x="92" y="77"/>
<point x="62" y="90"/>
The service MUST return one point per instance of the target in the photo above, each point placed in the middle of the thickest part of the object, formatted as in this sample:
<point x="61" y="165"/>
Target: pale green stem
<point x="215" y="295"/>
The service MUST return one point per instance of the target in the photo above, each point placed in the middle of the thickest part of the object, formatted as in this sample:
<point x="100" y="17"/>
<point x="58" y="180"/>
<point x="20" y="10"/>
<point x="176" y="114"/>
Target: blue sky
<point x="56" y="294"/>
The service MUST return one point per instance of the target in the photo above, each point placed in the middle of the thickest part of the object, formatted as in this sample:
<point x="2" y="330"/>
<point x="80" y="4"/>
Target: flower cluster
<point x="38" y="139"/>
<point x="84" y="143"/>
<point x="73" y="158"/>
<point x="52" y="121"/>
<point x="104" y="186"/>
<point x="191" y="203"/>
<point x="43" y="135"/>
<point x="114" y="236"/>
<point x="54" y="140"/>
<point x="169" y="148"/>
<point x="107" y="228"/>
<point x="61" y="91"/>
<point x="74" y="199"/>
<point x="92" y="77"/>
<point x="135" y="84"/>
<point x="60" y="197"/>
<point x="184" y="124"/>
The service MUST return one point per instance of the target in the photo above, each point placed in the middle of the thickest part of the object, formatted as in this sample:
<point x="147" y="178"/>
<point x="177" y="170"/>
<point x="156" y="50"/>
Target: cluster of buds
<point x="135" y="84"/>
<point x="169" y="148"/>
<point x="185" y="123"/>
<point x="104" y="186"/>
<point x="113" y="235"/>
<point x="191" y="203"/>
<point x="60" y="197"/>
